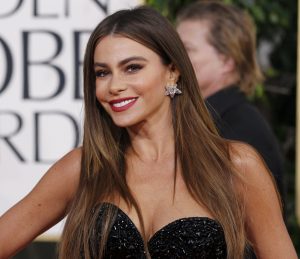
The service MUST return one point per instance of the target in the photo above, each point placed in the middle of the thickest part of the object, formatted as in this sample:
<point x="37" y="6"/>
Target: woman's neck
<point x="152" y="142"/>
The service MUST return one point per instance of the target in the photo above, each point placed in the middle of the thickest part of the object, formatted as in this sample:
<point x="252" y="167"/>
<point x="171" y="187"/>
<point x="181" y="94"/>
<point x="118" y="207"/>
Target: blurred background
<point x="276" y="23"/>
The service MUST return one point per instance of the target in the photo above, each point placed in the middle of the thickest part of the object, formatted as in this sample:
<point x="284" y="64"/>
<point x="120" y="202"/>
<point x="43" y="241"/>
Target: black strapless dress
<point x="191" y="237"/>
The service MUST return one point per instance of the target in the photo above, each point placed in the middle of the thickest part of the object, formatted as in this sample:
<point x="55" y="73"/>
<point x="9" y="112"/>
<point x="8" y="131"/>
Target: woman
<point x="152" y="178"/>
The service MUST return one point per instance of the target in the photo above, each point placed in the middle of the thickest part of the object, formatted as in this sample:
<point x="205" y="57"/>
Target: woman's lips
<point x="123" y="104"/>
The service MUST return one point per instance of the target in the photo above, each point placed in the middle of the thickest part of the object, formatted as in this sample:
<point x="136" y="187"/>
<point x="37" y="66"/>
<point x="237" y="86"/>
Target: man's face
<point x="208" y="64"/>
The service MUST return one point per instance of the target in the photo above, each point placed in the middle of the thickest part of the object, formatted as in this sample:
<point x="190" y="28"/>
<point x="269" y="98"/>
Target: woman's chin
<point x="128" y="123"/>
<point x="124" y="123"/>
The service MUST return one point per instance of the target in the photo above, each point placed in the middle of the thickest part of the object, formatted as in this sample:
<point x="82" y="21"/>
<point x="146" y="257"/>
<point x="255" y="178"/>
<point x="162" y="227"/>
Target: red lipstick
<point x="122" y="104"/>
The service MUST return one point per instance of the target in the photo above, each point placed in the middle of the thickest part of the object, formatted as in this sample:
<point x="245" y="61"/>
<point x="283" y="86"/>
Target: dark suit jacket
<point x="237" y="119"/>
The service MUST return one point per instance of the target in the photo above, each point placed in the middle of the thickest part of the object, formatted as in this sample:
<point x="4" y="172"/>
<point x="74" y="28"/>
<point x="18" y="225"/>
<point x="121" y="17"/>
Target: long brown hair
<point x="203" y="155"/>
<point x="231" y="33"/>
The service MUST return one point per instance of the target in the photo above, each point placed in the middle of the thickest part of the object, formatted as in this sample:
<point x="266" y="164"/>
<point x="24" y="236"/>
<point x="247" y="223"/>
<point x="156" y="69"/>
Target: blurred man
<point x="221" y="43"/>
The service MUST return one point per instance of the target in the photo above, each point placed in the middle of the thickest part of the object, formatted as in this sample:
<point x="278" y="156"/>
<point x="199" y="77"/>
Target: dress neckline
<point x="201" y="219"/>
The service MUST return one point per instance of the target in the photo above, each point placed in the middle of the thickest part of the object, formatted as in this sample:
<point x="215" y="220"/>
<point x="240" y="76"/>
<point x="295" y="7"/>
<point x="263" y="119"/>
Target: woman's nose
<point x="117" y="85"/>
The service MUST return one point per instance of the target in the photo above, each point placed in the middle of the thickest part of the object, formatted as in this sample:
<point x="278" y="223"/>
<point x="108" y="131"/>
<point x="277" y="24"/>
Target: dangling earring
<point x="172" y="90"/>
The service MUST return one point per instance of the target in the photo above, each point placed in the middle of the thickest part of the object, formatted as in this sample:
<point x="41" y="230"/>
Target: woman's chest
<point x="188" y="237"/>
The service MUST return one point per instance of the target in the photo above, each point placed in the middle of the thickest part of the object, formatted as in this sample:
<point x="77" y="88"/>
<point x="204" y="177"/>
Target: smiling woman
<point x="131" y="81"/>
<point x="153" y="179"/>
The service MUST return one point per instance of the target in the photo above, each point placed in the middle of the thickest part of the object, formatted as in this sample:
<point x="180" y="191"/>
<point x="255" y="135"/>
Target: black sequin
<point x="192" y="237"/>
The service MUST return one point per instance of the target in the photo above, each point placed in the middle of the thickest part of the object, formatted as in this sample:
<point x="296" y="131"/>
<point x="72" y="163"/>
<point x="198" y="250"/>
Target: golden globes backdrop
<point x="41" y="51"/>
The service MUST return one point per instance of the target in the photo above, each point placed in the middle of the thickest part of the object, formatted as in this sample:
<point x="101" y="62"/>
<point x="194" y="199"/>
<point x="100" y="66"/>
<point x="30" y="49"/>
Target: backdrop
<point x="41" y="51"/>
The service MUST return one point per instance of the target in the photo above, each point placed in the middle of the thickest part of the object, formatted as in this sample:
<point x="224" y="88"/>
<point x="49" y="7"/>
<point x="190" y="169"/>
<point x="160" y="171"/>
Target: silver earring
<point x="172" y="90"/>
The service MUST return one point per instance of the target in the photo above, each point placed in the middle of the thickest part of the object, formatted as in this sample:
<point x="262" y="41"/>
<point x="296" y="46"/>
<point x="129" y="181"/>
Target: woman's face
<point x="130" y="81"/>
<point x="209" y="65"/>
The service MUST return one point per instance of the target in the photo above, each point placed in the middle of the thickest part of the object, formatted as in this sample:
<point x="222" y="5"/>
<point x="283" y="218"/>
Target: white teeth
<point x="123" y="103"/>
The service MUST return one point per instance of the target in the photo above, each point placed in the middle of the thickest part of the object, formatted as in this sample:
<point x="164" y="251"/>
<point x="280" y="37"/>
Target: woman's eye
<point x="133" y="67"/>
<point x="101" y="73"/>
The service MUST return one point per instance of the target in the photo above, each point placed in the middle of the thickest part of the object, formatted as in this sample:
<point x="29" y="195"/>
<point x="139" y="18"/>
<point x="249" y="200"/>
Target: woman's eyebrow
<point x="122" y="62"/>
<point x="133" y="58"/>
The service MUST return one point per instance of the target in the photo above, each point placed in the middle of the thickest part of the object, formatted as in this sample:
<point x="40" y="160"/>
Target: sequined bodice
<point x="192" y="237"/>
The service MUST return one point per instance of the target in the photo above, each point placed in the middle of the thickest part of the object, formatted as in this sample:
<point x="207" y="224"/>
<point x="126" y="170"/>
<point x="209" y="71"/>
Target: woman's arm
<point x="264" y="222"/>
<point x="43" y="207"/>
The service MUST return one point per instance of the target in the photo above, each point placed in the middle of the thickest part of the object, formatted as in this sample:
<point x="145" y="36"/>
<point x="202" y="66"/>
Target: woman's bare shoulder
<point x="248" y="162"/>
<point x="241" y="152"/>
<point x="261" y="203"/>
<point x="67" y="170"/>
<point x="47" y="204"/>
<point x="254" y="181"/>
<point x="70" y="162"/>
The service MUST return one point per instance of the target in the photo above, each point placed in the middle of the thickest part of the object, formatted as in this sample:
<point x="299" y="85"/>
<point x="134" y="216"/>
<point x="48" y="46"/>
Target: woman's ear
<point x="174" y="73"/>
